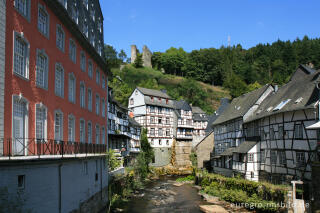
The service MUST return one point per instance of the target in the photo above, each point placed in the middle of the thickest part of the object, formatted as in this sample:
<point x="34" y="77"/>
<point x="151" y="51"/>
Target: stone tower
<point x="133" y="53"/>
<point x="146" y="56"/>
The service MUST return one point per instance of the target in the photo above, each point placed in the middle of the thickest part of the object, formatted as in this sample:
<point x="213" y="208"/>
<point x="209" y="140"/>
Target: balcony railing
<point x="19" y="147"/>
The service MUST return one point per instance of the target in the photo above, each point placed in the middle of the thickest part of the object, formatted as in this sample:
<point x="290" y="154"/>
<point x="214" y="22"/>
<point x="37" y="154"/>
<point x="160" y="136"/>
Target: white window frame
<point x="42" y="70"/>
<point x="21" y="99"/>
<point x="273" y="157"/>
<point x="250" y="157"/>
<point x="82" y="95"/>
<point x="82" y="133"/>
<point x="89" y="132"/>
<point x="26" y="10"/>
<point x="97" y="76"/>
<point x="300" y="158"/>
<point x="71" y="128"/>
<point x="75" y="13"/>
<point x="72" y="88"/>
<point x="25" y="57"/>
<point x="40" y="106"/>
<point x="282" y="157"/>
<point x="60" y="46"/>
<point x="103" y="81"/>
<point x="298" y="131"/>
<point x="97" y="104"/>
<point x="97" y="135"/>
<point x="45" y="32"/>
<point x="90" y="68"/>
<point x="103" y="135"/>
<point x="73" y="51"/>
<point x="61" y="92"/>
<point x="60" y="137"/>
<point x="103" y="107"/>
<point x="90" y="99"/>
<point x="83" y="61"/>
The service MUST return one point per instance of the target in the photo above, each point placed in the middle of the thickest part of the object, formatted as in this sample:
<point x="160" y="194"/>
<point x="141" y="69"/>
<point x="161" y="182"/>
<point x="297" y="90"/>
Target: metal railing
<point x="14" y="147"/>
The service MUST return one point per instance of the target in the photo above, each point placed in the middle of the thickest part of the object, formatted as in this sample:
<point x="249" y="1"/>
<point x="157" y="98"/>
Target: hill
<point x="124" y="81"/>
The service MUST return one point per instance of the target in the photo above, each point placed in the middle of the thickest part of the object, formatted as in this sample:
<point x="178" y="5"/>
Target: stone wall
<point x="146" y="56"/>
<point x="2" y="67"/>
<point x="162" y="156"/>
<point x="182" y="154"/>
<point x="134" y="52"/>
<point x="204" y="148"/>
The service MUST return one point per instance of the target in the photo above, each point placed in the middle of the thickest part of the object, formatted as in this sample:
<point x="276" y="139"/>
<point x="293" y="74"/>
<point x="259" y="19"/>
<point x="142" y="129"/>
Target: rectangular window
<point x="273" y="156"/>
<point x="21" y="56"/>
<point x="72" y="51"/>
<point x="280" y="132"/>
<point x="152" y="120"/>
<point x="41" y="118"/>
<point x="21" y="181"/>
<point x="85" y="29"/>
<point x="167" y="120"/>
<point x="89" y="133"/>
<point x="103" y="107"/>
<point x="59" y="79"/>
<point x="82" y="131"/>
<point x="97" y="104"/>
<point x="92" y="39"/>
<point x="23" y="6"/>
<point x="74" y="14"/>
<point x="298" y="133"/>
<point x="103" y="135"/>
<point x="160" y="132"/>
<point x="97" y="76"/>
<point x="60" y="38"/>
<point x="152" y="109"/>
<point x="152" y="131"/>
<point x="282" y="157"/>
<point x="43" y="20"/>
<point x="82" y="95"/>
<point x="263" y="156"/>
<point x="42" y="70"/>
<point x="103" y="82"/>
<point x="271" y="134"/>
<point x="58" y="126"/>
<point x="71" y="129"/>
<point x="300" y="158"/>
<point x="97" y="134"/>
<point x="159" y="120"/>
<point x="72" y="88"/>
<point x="83" y="61"/>
<point x="90" y="69"/>
<point x="167" y="132"/>
<point x="89" y="100"/>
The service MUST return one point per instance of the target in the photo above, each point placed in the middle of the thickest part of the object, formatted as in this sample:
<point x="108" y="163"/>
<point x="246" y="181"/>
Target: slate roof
<point x="182" y="105"/>
<point x="228" y="152"/>
<point x="245" y="146"/>
<point x="224" y="103"/>
<point x="240" y="105"/>
<point x="308" y="69"/>
<point x="153" y="92"/>
<point x="200" y="117"/>
<point x="197" y="110"/>
<point x="156" y="102"/>
<point x="132" y="122"/>
<point x="304" y="88"/>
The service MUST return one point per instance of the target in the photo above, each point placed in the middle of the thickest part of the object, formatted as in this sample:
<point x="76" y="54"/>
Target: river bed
<point x="162" y="196"/>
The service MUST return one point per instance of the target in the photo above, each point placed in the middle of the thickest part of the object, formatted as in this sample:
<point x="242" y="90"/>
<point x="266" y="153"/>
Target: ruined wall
<point x="134" y="53"/>
<point x="162" y="156"/>
<point x="204" y="148"/>
<point x="183" y="151"/>
<point x="146" y="56"/>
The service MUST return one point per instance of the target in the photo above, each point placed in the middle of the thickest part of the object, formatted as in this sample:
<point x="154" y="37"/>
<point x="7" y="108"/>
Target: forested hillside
<point x="235" y="68"/>
<point x="199" y="94"/>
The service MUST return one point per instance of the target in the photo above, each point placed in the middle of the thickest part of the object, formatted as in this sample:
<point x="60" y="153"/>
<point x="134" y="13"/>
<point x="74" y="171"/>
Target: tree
<point x="122" y="56"/>
<point x="146" y="148"/>
<point x="111" y="56"/>
<point x="138" y="63"/>
<point x="235" y="84"/>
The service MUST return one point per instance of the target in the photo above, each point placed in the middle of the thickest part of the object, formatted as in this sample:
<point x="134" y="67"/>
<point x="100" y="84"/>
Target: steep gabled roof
<point x="132" y="122"/>
<point x="240" y="106"/>
<point x="301" y="72"/>
<point x="153" y="92"/>
<point x="295" y="95"/>
<point x="197" y="110"/>
<point x="245" y="146"/>
<point x="182" y="105"/>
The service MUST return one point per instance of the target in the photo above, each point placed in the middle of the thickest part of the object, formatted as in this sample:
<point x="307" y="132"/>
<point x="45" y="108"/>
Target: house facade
<point x="53" y="101"/>
<point x="184" y="125"/>
<point x="200" y="123"/>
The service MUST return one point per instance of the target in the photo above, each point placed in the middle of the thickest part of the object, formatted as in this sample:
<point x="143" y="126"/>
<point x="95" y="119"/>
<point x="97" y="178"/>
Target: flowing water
<point x="163" y="197"/>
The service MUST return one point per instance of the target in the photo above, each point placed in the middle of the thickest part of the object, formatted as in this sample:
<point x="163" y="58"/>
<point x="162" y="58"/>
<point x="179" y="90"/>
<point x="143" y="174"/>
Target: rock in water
<point x="212" y="209"/>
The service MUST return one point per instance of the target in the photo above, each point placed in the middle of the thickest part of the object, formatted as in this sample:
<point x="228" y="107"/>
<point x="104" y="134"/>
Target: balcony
<point x="31" y="148"/>
<point x="184" y="136"/>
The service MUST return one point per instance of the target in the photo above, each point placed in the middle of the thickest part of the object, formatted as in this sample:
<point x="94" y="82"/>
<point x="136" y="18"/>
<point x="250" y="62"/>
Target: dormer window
<point x="167" y="101"/>
<point x="152" y="98"/>
<point x="131" y="101"/>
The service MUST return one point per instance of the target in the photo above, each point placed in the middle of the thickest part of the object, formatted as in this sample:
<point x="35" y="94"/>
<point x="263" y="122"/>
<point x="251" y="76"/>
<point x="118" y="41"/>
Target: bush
<point x="184" y="179"/>
<point x="112" y="161"/>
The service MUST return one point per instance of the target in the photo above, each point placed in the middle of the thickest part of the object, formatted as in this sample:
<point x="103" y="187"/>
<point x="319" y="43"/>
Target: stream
<point x="162" y="196"/>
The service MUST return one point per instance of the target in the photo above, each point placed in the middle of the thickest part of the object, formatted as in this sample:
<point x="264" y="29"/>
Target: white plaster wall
<point x="138" y="99"/>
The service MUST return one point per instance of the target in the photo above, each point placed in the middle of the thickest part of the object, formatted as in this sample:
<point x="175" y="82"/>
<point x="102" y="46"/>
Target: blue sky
<point x="195" y="24"/>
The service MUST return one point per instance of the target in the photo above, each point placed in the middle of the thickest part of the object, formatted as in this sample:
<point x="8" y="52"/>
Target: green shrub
<point x="184" y="179"/>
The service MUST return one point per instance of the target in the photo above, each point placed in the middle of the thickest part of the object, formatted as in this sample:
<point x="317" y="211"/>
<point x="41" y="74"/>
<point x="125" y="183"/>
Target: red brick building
<point x="55" y="84"/>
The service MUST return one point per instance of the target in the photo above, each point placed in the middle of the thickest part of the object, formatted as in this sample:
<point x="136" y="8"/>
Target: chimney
<point x="276" y="87"/>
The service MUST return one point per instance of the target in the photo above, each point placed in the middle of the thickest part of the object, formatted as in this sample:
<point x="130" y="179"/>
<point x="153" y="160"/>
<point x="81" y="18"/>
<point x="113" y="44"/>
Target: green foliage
<point x="113" y="59"/>
<point x="193" y="158"/>
<point x="186" y="179"/>
<point x="235" y="84"/>
<point x="138" y="63"/>
<point x="112" y="160"/>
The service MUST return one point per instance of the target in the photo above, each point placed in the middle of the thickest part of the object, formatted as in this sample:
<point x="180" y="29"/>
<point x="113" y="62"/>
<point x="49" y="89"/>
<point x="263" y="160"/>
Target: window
<point x="97" y="104"/>
<point x="82" y="131"/>
<point x="250" y="157"/>
<point x="82" y="95"/>
<point x="72" y="50"/>
<point x="271" y="134"/>
<point x="41" y="122"/>
<point x="298" y="131"/>
<point x="273" y="156"/>
<point x="167" y="120"/>
<point x="252" y="174"/>
<point x="21" y="56"/>
<point x="131" y="101"/>
<point x="282" y="157"/>
<point x="160" y="142"/>
<point x="93" y="13"/>
<point x="159" y="120"/>
<point x="167" y="142"/>
<point x="103" y="107"/>
<point x="83" y="61"/>
<point x="71" y="128"/>
<point x="152" y="120"/>
<point x="89" y="132"/>
<point x="99" y="26"/>
<point x="280" y="132"/>
<point x="103" y="136"/>
<point x="263" y="156"/>
<point x="92" y="39"/>
<point x="97" y="134"/>
<point x="160" y="132"/>
<point x="152" y="131"/>
<point x="300" y="158"/>
<point x="74" y="14"/>
<point x="90" y="69"/>
<point x="59" y="81"/>
<point x="97" y="76"/>
<point x="43" y="20"/>
<point x="152" y="98"/>
<point x="103" y="82"/>
<point x="58" y="126"/>
<point x="89" y="100"/>
<point x="60" y="38"/>
<point x="72" y="88"/>
<point x="21" y="181"/>
<point x="152" y="109"/>
<point x="85" y="29"/>
<point x="167" y="132"/>
<point x="23" y="7"/>
<point x="99" y="49"/>
<point x="42" y="70"/>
